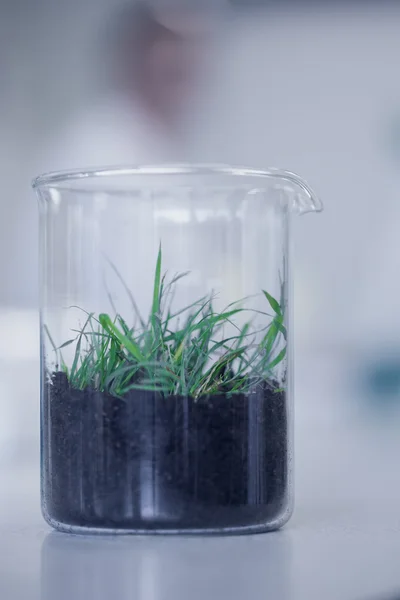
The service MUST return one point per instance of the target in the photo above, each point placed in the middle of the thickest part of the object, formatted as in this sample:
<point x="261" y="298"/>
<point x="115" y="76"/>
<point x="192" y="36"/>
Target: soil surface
<point x="162" y="463"/>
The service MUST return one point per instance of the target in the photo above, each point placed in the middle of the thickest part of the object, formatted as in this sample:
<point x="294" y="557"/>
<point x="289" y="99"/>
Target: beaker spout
<point x="304" y="200"/>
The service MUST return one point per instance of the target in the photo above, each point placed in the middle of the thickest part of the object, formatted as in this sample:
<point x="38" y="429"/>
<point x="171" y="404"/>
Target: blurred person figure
<point x="151" y="62"/>
<point x="151" y="65"/>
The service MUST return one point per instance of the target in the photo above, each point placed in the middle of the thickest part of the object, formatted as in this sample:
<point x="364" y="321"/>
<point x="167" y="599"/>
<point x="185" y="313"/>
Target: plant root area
<point x="148" y="462"/>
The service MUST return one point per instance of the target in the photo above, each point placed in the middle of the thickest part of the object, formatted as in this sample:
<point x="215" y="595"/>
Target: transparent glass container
<point x="166" y="369"/>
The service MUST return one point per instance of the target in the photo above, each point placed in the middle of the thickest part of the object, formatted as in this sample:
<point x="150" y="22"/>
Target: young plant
<point x="181" y="353"/>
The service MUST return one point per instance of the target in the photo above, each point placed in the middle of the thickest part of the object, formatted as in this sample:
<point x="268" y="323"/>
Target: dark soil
<point x="150" y="462"/>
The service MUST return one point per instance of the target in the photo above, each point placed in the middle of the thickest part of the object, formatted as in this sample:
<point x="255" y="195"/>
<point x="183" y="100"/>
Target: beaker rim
<point x="62" y="179"/>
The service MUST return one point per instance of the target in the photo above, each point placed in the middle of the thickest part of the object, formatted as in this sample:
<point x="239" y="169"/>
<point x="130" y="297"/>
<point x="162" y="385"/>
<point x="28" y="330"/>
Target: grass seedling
<point x="181" y="353"/>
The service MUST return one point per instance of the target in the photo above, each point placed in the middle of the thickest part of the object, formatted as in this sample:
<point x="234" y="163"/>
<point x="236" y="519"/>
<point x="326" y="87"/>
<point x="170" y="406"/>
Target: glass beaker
<point x="166" y="383"/>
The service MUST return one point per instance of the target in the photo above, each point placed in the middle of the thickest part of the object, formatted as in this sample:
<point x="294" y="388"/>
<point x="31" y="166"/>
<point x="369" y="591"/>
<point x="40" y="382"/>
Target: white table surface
<point x="342" y="543"/>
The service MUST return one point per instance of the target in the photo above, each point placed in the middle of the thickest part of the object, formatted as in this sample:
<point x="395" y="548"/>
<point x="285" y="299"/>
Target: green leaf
<point x="270" y="338"/>
<point x="129" y="344"/>
<point x="179" y="351"/>
<point x="64" y="368"/>
<point x="273" y="303"/>
<point x="279" y="325"/>
<point x="128" y="292"/>
<point x="76" y="358"/>
<point x="65" y="344"/>
<point x="124" y="326"/>
<point x="78" y="347"/>
<point x="276" y="360"/>
<point x="156" y="291"/>
<point x="46" y="329"/>
<point x="225" y="316"/>
<point x="228" y="358"/>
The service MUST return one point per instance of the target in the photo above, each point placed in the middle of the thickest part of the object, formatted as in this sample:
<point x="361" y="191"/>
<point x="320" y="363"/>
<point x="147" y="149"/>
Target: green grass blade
<point x="155" y="309"/>
<point x="65" y="344"/>
<point x="128" y="292"/>
<point x="53" y="344"/>
<point x="276" y="360"/>
<point x="273" y="303"/>
<point x="124" y="326"/>
<point x="224" y="316"/>
<point x="126" y="342"/>
<point x="281" y="327"/>
<point x="77" y="356"/>
<point x="269" y="340"/>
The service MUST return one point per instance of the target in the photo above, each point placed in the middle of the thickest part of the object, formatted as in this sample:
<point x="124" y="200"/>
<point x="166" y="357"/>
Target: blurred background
<point x="311" y="87"/>
<point x="307" y="86"/>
